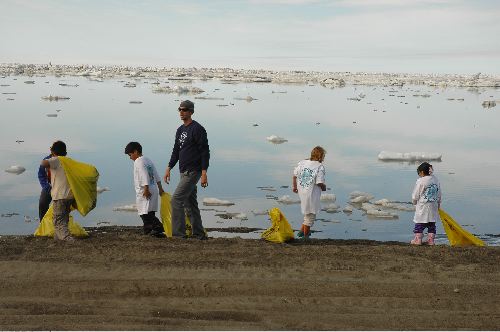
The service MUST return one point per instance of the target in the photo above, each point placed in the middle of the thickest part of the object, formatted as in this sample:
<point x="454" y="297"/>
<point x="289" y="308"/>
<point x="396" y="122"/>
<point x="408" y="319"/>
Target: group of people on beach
<point x="191" y="151"/>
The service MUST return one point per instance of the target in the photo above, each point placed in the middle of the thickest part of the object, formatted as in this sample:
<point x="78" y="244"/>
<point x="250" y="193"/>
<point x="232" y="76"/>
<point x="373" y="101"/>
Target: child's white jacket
<point x="427" y="197"/>
<point x="309" y="173"/>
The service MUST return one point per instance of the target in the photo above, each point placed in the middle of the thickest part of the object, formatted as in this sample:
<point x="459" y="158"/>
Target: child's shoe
<point x="417" y="240"/>
<point x="430" y="239"/>
<point x="300" y="234"/>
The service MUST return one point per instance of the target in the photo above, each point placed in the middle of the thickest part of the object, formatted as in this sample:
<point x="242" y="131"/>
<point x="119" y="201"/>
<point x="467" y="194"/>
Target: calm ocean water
<point x="98" y="121"/>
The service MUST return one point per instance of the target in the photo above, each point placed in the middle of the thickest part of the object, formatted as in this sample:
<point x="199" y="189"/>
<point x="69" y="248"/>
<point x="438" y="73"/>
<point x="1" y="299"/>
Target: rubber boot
<point x="417" y="240"/>
<point x="307" y="231"/>
<point x="430" y="239"/>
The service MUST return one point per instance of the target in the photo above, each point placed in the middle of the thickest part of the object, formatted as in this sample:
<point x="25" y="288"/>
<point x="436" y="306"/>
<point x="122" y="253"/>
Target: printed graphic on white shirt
<point x="309" y="173"/>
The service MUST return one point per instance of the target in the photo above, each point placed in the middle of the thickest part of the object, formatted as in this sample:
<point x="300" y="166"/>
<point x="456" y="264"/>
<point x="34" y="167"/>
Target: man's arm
<point x="174" y="158"/>
<point x="204" y="148"/>
<point x="294" y="184"/>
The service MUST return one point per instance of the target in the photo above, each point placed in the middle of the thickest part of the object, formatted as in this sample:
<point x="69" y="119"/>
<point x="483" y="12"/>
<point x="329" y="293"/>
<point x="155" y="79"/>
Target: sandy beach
<point x="119" y="279"/>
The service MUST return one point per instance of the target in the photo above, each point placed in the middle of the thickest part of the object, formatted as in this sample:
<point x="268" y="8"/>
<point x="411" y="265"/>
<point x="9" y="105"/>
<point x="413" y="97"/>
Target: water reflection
<point x="98" y="120"/>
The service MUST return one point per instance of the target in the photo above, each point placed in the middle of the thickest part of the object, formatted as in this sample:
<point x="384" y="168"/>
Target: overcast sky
<point x="417" y="36"/>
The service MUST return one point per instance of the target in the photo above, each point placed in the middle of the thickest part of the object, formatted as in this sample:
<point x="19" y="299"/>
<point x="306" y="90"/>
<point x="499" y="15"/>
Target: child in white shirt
<point x="147" y="188"/>
<point x="310" y="174"/>
<point x="426" y="197"/>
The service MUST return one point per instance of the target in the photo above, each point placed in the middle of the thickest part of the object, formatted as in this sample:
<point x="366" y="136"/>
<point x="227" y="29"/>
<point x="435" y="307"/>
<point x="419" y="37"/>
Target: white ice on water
<point x="16" y="169"/>
<point x="103" y="189"/>
<point x="126" y="208"/>
<point x="328" y="198"/>
<point x="286" y="199"/>
<point x="276" y="139"/>
<point x="409" y="156"/>
<point x="212" y="201"/>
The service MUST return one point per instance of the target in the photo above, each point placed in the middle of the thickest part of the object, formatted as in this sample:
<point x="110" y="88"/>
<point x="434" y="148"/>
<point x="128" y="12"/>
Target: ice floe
<point x="16" y="169"/>
<point x="260" y="212"/>
<point x="135" y="102"/>
<point x="408" y="156"/>
<point x="286" y="199"/>
<point x="126" y="208"/>
<point x="276" y="139"/>
<point x="328" y="198"/>
<point x="212" y="201"/>
<point x="489" y="103"/>
<point x="54" y="98"/>
<point x="348" y="209"/>
<point x="100" y="190"/>
<point x="331" y="208"/>
<point x="231" y="215"/>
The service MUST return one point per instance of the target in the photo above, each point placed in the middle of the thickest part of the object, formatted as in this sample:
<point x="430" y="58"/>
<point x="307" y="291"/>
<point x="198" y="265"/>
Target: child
<point x="427" y="198"/>
<point x="147" y="188"/>
<point x="311" y="181"/>
<point x="62" y="196"/>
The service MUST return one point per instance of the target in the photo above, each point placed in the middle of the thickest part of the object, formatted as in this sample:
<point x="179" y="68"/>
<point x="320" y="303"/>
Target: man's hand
<point x="204" y="179"/>
<point x="166" y="178"/>
<point x="160" y="189"/>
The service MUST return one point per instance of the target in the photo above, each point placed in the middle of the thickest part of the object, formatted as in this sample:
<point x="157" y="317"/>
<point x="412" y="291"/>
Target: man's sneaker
<point x="157" y="234"/>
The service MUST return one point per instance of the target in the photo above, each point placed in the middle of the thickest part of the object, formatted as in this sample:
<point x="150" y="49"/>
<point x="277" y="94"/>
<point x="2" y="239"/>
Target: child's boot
<point x="430" y="239"/>
<point x="307" y="231"/>
<point x="300" y="234"/>
<point x="417" y="240"/>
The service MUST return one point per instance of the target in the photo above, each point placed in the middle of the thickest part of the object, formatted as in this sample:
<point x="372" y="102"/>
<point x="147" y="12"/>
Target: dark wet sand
<point x="119" y="279"/>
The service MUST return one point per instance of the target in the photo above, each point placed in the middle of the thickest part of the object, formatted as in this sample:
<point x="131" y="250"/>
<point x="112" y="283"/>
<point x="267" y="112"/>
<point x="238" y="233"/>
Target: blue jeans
<point x="185" y="197"/>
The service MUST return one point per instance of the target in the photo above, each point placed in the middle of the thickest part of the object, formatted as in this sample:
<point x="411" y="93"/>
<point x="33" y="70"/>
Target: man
<point x="192" y="152"/>
<point x="45" y="198"/>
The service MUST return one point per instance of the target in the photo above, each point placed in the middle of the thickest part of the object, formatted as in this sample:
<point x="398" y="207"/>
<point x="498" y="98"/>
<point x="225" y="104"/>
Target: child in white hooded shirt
<point x="426" y="197"/>
<point x="308" y="181"/>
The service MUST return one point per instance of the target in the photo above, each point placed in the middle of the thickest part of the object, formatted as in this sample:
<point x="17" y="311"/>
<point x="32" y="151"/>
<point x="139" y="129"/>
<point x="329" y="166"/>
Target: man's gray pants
<point x="185" y="197"/>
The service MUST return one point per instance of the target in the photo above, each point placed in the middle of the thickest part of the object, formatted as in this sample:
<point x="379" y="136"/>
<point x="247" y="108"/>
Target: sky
<point x="409" y="36"/>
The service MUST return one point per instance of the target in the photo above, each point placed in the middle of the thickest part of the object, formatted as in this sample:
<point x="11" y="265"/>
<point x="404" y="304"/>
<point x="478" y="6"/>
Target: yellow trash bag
<point x="456" y="234"/>
<point x="280" y="231"/>
<point x="166" y="216"/>
<point x="46" y="227"/>
<point x="82" y="179"/>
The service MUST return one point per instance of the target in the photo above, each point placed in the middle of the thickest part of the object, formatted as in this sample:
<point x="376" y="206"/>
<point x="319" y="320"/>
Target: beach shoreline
<point x="120" y="279"/>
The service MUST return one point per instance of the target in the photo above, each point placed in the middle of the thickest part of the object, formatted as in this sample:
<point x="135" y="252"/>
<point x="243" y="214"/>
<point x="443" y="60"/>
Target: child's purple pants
<point x="419" y="227"/>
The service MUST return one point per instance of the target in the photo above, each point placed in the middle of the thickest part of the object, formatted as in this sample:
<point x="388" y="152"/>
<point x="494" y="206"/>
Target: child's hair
<point x="133" y="146"/>
<point x="318" y="153"/>
<point x="58" y="148"/>
<point x="425" y="167"/>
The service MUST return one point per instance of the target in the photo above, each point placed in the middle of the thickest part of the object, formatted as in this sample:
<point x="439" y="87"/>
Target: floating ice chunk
<point x="489" y="103"/>
<point x="135" y="102"/>
<point x="408" y="156"/>
<point x="381" y="214"/>
<point x="276" y="139"/>
<point x="51" y="115"/>
<point x="212" y="201"/>
<point x="328" y="198"/>
<point x="347" y="209"/>
<point x="231" y="215"/>
<point x="16" y="169"/>
<point x="129" y="85"/>
<point x="361" y="199"/>
<point x="395" y="205"/>
<point x="103" y="189"/>
<point x="333" y="82"/>
<point x="260" y="212"/>
<point x="69" y="85"/>
<point x="126" y="208"/>
<point x="356" y="193"/>
<point x="369" y="206"/>
<point x="286" y="199"/>
<point x="29" y="82"/>
<point x="331" y="208"/>
<point x="54" y="98"/>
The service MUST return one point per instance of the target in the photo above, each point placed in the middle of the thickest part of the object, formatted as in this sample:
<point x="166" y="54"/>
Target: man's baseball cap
<point x="188" y="104"/>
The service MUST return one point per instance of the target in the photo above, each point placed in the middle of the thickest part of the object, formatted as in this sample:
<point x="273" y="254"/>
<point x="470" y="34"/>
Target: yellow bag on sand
<point x="166" y="216"/>
<point x="456" y="234"/>
<point x="280" y="231"/>
<point x="46" y="227"/>
<point x="82" y="179"/>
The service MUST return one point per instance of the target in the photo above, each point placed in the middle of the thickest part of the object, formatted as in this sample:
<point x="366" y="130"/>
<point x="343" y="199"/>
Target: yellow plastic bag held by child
<point x="166" y="216"/>
<point x="280" y="230"/>
<point x="456" y="234"/>
<point x="82" y="179"/>
<point x="46" y="227"/>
